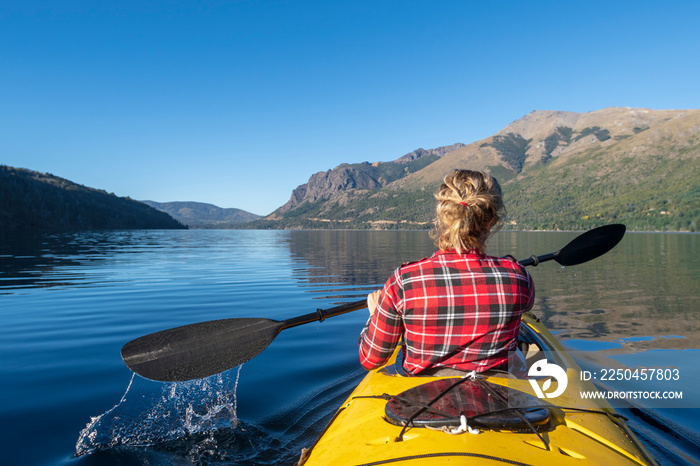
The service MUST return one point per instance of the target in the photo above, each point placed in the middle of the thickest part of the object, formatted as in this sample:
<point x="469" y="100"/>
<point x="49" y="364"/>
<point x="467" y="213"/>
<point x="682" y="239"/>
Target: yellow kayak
<point x="391" y="418"/>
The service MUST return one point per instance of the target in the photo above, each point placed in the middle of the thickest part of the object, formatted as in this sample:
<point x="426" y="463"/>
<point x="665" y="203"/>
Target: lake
<point x="70" y="301"/>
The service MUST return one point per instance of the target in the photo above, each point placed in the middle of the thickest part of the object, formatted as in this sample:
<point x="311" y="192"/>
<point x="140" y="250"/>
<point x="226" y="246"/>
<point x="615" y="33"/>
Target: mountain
<point x="362" y="176"/>
<point x="558" y="170"/>
<point x="201" y="215"/>
<point x="30" y="200"/>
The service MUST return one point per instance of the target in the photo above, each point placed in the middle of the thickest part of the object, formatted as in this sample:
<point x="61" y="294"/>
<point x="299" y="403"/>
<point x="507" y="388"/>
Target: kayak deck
<point x="578" y="431"/>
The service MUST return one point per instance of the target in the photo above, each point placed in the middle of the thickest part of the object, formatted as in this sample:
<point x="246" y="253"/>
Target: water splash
<point x="151" y="413"/>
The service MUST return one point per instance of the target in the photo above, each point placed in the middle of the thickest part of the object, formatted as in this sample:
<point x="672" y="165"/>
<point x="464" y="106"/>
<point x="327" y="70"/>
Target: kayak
<point x="490" y="419"/>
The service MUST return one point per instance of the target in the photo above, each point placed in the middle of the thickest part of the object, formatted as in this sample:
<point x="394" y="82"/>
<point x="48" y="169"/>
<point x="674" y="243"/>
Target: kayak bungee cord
<point x="463" y="418"/>
<point x="429" y="404"/>
<point x="386" y="396"/>
<point x="472" y="377"/>
<point x="516" y="411"/>
<point x="427" y="407"/>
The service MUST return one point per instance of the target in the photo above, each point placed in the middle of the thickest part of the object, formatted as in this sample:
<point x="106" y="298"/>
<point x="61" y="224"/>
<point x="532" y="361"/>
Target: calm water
<point x="69" y="302"/>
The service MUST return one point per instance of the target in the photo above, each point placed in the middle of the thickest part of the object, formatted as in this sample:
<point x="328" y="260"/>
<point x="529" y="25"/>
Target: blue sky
<point x="236" y="103"/>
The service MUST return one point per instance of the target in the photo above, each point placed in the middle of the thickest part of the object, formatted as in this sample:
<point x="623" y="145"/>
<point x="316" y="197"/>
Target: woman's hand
<point x="372" y="300"/>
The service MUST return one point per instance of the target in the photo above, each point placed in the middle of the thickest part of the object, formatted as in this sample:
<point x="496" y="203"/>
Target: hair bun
<point x="467" y="229"/>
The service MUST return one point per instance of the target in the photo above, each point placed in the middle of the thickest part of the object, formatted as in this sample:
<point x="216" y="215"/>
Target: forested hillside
<point x="30" y="200"/>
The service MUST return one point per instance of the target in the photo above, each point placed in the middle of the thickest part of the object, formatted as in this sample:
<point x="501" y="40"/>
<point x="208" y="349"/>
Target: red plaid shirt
<point x="460" y="311"/>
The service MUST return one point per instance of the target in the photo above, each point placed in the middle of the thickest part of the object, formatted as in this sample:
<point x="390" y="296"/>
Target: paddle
<point x="585" y="247"/>
<point x="207" y="348"/>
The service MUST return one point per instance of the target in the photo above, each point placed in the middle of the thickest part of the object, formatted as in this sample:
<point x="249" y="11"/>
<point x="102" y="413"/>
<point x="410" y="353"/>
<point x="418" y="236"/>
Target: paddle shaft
<point x="536" y="260"/>
<point x="322" y="314"/>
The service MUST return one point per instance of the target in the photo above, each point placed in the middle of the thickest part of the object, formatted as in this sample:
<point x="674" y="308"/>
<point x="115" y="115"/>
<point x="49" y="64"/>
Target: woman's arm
<point x="383" y="331"/>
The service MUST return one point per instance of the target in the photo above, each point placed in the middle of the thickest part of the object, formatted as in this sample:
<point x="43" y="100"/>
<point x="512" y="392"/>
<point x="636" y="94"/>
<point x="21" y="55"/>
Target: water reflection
<point x="357" y="261"/>
<point x="99" y="257"/>
<point x="33" y="260"/>
<point x="646" y="287"/>
<point x="25" y="259"/>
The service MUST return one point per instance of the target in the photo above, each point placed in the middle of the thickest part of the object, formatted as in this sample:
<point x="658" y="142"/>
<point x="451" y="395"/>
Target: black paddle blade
<point x="591" y="244"/>
<point x="199" y="350"/>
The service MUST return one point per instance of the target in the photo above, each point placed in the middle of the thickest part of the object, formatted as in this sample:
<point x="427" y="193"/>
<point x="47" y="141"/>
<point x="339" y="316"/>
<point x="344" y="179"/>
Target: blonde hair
<point x="470" y="206"/>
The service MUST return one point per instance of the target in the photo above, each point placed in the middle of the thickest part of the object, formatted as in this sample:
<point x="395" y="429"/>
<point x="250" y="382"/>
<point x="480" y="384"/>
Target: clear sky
<point x="236" y="103"/>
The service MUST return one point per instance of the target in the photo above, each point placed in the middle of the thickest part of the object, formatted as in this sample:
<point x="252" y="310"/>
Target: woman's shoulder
<point x="508" y="261"/>
<point x="448" y="256"/>
<point x="413" y="264"/>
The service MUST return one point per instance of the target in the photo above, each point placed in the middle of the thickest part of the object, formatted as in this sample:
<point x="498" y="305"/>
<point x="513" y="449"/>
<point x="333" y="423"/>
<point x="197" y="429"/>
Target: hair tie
<point x="464" y="204"/>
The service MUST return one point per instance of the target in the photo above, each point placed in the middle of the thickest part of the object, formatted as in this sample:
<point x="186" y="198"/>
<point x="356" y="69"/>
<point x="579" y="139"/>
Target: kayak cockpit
<point x="449" y="403"/>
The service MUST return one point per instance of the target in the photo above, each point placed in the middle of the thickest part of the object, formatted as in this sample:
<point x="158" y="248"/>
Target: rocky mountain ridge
<point x="362" y="176"/>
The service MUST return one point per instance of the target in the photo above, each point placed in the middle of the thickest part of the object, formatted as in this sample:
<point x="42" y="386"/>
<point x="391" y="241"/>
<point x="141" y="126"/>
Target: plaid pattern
<point x="460" y="311"/>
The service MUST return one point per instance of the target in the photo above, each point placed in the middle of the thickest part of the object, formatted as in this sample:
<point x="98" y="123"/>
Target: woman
<point x="458" y="309"/>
